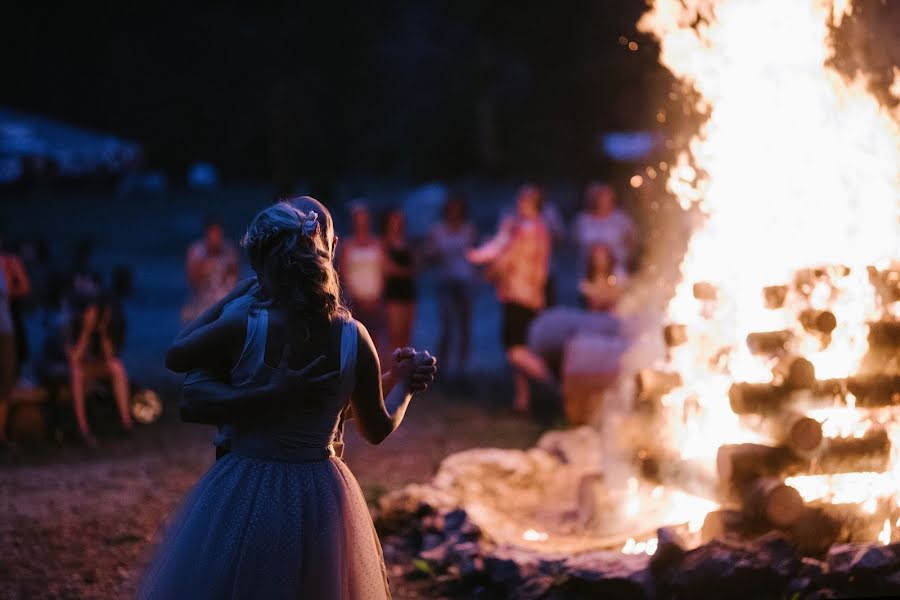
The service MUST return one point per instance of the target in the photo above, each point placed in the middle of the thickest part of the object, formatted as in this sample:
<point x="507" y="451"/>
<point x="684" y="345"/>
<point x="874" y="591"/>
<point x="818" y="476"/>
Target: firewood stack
<point x="751" y="476"/>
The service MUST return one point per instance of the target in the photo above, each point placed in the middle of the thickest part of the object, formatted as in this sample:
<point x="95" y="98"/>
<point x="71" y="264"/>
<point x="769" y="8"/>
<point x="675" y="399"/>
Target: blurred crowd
<point x="83" y="330"/>
<point x="380" y="267"/>
<point x="75" y="371"/>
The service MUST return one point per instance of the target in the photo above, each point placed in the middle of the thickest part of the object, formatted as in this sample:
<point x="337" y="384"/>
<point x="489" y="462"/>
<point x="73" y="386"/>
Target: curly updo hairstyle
<point x="289" y="251"/>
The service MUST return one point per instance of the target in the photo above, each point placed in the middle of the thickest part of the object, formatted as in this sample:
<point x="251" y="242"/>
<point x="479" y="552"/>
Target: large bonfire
<point x="789" y="280"/>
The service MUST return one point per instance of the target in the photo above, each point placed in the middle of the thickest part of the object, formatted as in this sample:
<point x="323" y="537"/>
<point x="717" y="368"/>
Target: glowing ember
<point x="648" y="546"/>
<point x="794" y="182"/>
<point x="885" y="536"/>
<point x="532" y="535"/>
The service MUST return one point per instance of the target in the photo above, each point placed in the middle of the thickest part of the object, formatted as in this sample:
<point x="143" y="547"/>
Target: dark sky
<point x="411" y="88"/>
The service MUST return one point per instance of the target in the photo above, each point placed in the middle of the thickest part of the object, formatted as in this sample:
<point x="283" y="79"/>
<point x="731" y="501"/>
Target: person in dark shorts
<point x="399" y="280"/>
<point x="518" y="260"/>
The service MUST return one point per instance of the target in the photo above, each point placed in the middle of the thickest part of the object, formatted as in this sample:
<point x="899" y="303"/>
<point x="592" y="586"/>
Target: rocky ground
<point x="80" y="524"/>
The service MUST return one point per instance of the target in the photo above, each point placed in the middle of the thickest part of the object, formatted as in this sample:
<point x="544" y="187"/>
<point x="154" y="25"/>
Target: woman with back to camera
<point x="280" y="516"/>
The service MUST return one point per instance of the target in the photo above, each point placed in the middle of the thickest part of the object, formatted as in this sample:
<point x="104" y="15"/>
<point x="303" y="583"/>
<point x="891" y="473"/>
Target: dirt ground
<point x="80" y="524"/>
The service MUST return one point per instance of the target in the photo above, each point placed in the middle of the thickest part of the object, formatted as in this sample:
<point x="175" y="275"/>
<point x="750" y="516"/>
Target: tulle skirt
<point x="254" y="528"/>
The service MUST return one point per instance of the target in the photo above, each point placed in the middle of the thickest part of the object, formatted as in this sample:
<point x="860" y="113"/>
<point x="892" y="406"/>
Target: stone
<point x="862" y="560"/>
<point x="431" y="541"/>
<point x="809" y="577"/>
<point x="671" y="548"/>
<point x="719" y="569"/>
<point x="509" y="567"/>
<point x="455" y="519"/>
<point x="608" y="575"/>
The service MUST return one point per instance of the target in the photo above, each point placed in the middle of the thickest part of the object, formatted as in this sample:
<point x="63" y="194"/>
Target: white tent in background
<point x="32" y="142"/>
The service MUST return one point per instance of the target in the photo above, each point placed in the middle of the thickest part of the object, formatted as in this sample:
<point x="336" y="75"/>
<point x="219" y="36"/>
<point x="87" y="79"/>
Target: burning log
<point x="656" y="384"/>
<point x="740" y="464"/>
<point x="669" y="469"/>
<point x="768" y="342"/>
<point x="872" y="452"/>
<point x="795" y="372"/>
<point x="758" y="398"/>
<point x="675" y="334"/>
<point x="856" y="524"/>
<point x="814" y="532"/>
<point x="873" y="391"/>
<point x="769" y="499"/>
<point x="818" y="321"/>
<point x="793" y="430"/>
<point x="775" y="295"/>
<point x="703" y="290"/>
<point x="726" y="523"/>
<point x="884" y="334"/>
<point x="886" y="283"/>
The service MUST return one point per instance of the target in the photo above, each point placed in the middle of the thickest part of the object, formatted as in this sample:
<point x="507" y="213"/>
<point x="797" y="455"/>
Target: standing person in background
<point x="448" y="243"/>
<point x="600" y="222"/>
<point x="212" y="269"/>
<point x="361" y="263"/>
<point x="519" y="262"/>
<point x="8" y="366"/>
<point x="399" y="281"/>
<point x="18" y="289"/>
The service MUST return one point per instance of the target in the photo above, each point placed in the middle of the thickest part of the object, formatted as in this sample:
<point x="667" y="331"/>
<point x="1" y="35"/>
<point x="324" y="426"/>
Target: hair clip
<point x="311" y="225"/>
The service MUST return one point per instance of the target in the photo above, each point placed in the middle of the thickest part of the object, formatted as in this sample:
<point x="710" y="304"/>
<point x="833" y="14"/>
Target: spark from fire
<point x="796" y="167"/>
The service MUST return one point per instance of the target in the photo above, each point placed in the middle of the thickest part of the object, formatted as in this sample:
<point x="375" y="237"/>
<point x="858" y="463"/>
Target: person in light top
<point x="601" y="222"/>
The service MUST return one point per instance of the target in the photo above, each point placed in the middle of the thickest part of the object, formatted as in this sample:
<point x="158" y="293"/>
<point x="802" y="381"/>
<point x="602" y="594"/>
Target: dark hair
<point x="289" y="252"/>
<point x="386" y="218"/>
<point x="591" y="268"/>
<point x="212" y="221"/>
<point x="455" y="198"/>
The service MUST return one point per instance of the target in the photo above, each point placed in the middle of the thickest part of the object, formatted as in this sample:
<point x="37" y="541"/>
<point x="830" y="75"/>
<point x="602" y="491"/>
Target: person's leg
<point x="522" y="397"/>
<point x="7" y="378"/>
<point x="446" y="315"/>
<point x="408" y="313"/>
<point x="118" y="378"/>
<point x="529" y="363"/>
<point x="399" y="322"/>
<point x="77" y="385"/>
<point x="463" y="303"/>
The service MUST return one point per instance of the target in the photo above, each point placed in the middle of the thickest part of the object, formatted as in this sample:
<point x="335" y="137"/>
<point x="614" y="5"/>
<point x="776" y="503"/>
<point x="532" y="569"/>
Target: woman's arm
<point x="212" y="346"/>
<point x="192" y="341"/>
<point x="376" y="416"/>
<point x="205" y="398"/>
<point x="19" y="284"/>
<point x="492" y="249"/>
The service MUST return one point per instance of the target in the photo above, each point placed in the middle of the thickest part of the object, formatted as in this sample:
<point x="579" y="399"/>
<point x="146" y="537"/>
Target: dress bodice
<point x="311" y="430"/>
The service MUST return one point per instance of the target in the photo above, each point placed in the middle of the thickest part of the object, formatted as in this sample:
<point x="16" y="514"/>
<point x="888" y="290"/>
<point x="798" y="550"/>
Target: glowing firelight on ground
<point x="795" y="168"/>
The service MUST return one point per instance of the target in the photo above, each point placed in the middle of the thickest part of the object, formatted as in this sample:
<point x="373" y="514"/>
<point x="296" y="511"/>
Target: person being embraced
<point x="281" y="515"/>
<point x="208" y="397"/>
